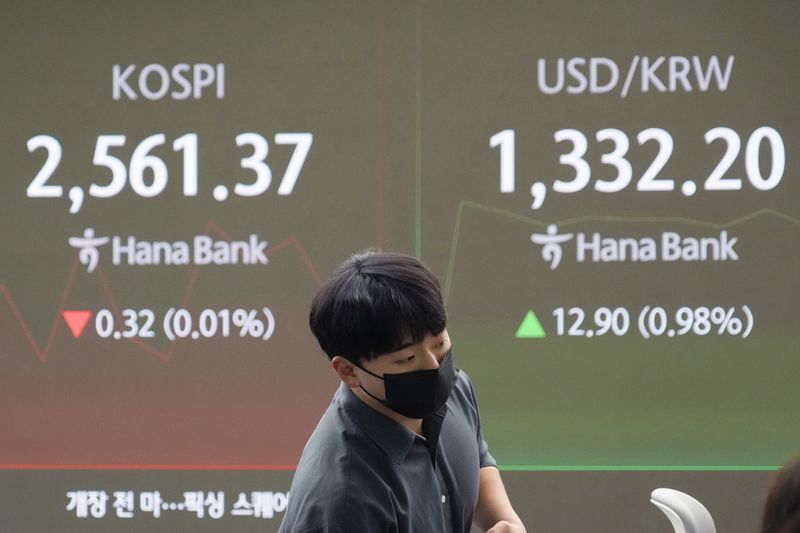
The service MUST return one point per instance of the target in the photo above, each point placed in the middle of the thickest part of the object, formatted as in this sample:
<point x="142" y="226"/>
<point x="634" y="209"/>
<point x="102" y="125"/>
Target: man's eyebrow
<point x="403" y="346"/>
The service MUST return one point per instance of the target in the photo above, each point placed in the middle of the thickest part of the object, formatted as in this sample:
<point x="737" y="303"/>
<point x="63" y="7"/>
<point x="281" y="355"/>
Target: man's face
<point x="424" y="355"/>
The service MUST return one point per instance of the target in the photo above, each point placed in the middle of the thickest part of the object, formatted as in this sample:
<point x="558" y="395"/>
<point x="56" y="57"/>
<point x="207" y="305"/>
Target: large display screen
<point x="608" y="192"/>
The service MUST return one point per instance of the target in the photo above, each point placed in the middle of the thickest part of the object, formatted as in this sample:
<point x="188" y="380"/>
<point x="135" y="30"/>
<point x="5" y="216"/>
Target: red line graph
<point x="43" y="353"/>
<point x="143" y="467"/>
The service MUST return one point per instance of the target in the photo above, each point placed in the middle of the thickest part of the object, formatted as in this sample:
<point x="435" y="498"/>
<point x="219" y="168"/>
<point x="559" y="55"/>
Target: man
<point x="782" y="509"/>
<point x="400" y="447"/>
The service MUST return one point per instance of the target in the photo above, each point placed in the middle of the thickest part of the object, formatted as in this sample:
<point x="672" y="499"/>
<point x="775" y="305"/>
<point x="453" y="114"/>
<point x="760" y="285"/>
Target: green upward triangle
<point x="530" y="328"/>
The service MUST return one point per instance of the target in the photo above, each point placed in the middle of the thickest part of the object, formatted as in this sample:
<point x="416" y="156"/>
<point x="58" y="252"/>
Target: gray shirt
<point x="362" y="472"/>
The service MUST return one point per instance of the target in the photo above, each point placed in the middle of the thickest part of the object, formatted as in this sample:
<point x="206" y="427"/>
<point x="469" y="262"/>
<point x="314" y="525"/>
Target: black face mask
<point x="418" y="393"/>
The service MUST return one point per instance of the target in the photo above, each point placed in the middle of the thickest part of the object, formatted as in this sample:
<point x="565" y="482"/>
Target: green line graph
<point x="467" y="204"/>
<point x="636" y="468"/>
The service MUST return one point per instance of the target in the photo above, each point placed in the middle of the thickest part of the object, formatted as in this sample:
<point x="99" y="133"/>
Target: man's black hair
<point x="374" y="303"/>
<point x="782" y="508"/>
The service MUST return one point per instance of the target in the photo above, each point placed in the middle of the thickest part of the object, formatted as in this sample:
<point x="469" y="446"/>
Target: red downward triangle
<point x="76" y="320"/>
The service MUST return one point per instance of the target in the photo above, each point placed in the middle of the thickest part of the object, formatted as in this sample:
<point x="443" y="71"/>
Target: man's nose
<point x="431" y="361"/>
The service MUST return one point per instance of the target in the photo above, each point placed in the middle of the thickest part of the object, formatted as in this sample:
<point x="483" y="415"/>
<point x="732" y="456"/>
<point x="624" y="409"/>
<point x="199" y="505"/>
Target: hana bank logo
<point x="87" y="245"/>
<point x="551" y="244"/>
<point x="668" y="247"/>
<point x="200" y="250"/>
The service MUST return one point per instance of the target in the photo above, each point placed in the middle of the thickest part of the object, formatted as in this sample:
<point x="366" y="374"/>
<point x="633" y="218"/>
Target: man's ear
<point x="346" y="371"/>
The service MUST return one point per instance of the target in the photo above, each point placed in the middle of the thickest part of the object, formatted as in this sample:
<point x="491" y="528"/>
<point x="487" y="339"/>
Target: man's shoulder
<point x="463" y="391"/>
<point x="333" y="492"/>
<point x="338" y="471"/>
<point x="336" y="452"/>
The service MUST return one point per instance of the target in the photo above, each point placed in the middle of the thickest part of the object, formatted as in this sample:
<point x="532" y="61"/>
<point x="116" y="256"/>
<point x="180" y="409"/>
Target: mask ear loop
<point x="372" y="395"/>
<point x="365" y="370"/>
<point x="360" y="386"/>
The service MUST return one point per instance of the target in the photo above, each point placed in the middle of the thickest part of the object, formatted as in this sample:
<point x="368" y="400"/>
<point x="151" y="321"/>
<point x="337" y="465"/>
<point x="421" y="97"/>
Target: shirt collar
<point x="390" y="436"/>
